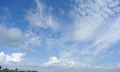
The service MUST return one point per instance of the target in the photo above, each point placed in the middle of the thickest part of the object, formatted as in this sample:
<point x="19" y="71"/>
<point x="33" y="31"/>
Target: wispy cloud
<point x="40" y="18"/>
<point x="43" y="27"/>
<point x="90" y="17"/>
<point x="31" y="41"/>
<point x="94" y="29"/>
<point x="95" y="24"/>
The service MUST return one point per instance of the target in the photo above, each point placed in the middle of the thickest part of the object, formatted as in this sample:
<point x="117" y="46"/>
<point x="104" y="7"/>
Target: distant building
<point x="0" y="67"/>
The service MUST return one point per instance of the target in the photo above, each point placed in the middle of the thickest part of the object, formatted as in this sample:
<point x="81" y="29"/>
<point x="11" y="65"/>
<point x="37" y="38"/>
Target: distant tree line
<point x="15" y="70"/>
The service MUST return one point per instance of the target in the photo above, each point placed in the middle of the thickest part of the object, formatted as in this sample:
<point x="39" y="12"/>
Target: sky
<point x="60" y="35"/>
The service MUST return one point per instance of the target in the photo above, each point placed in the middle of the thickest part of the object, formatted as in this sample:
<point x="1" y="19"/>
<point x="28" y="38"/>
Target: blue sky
<point x="57" y="35"/>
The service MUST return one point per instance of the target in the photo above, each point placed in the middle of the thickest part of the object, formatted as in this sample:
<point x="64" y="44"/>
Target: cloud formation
<point x="11" y="37"/>
<point x="31" y="41"/>
<point x="94" y="29"/>
<point x="39" y="17"/>
<point x="14" y="57"/>
<point x="92" y="17"/>
<point x="67" y="63"/>
<point x="95" y="24"/>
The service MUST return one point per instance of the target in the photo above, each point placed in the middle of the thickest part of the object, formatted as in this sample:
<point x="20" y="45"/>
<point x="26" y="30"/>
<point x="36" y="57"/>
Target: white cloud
<point x="31" y="41"/>
<point x="55" y="64"/>
<point x="40" y="18"/>
<point x="53" y="60"/>
<point x="64" y="63"/>
<point x="42" y="26"/>
<point x="104" y="41"/>
<point x="2" y="55"/>
<point x="12" y="37"/>
<point x="90" y="17"/>
<point x="14" y="57"/>
<point x="95" y="21"/>
<point x="15" y="38"/>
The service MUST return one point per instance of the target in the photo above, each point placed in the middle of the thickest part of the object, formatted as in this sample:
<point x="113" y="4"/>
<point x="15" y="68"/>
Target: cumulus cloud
<point x="12" y="37"/>
<point x="53" y="60"/>
<point x="64" y="63"/>
<point x="2" y="56"/>
<point x="15" y="38"/>
<point x="14" y="57"/>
